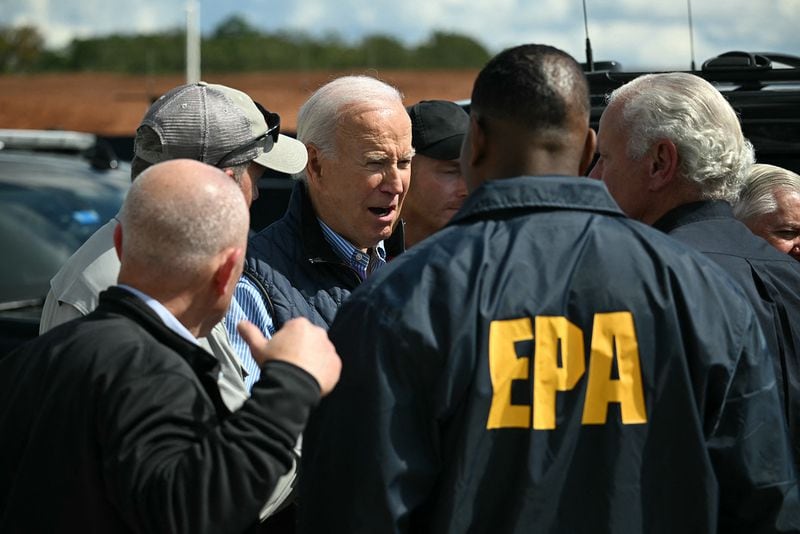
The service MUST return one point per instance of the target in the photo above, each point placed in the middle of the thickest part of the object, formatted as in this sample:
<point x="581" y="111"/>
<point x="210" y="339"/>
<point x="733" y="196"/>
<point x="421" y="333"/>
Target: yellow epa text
<point x="613" y="337"/>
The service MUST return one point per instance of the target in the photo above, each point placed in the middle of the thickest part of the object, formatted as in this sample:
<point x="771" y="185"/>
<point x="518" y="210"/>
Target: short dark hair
<point x="533" y="85"/>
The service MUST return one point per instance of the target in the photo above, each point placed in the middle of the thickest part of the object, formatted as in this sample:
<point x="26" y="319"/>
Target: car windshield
<point x="49" y="205"/>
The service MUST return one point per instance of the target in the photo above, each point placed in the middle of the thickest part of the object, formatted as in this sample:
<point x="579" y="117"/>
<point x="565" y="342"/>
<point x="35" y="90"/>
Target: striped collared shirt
<point x="364" y="263"/>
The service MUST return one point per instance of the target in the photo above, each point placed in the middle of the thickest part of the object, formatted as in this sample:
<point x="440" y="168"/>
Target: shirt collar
<point x="364" y="263"/>
<point x="693" y="212"/>
<point x="169" y="320"/>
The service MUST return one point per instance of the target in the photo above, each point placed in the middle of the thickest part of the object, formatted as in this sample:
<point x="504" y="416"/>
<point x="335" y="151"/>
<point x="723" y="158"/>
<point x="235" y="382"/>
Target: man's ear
<point x="589" y="148"/>
<point x="663" y="165"/>
<point x="314" y="165"/>
<point x="228" y="272"/>
<point x="118" y="240"/>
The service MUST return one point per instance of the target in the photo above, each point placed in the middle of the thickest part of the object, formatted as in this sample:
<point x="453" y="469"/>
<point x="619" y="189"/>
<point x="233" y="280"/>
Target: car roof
<point x="61" y="140"/>
<point x="97" y="152"/>
<point x="763" y="88"/>
<point x="26" y="167"/>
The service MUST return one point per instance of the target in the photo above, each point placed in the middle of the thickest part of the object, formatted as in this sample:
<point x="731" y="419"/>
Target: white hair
<point x="322" y="112"/>
<point x="758" y="195"/>
<point x="713" y="153"/>
<point x="175" y="233"/>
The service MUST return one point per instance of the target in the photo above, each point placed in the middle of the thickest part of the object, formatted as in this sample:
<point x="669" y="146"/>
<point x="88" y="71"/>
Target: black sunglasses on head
<point x="269" y="138"/>
<point x="273" y="121"/>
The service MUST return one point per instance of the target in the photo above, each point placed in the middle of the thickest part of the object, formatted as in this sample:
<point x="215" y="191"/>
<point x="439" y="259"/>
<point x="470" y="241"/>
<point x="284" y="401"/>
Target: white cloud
<point x="638" y="33"/>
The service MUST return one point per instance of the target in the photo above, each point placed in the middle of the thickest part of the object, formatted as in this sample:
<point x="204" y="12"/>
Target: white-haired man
<point x="769" y="205"/>
<point x="114" y="422"/>
<point x="672" y="153"/>
<point x="342" y="220"/>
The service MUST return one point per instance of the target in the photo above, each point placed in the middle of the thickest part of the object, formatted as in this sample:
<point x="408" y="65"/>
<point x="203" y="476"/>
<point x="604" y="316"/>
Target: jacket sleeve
<point x="375" y="436"/>
<point x="750" y="449"/>
<point x="171" y="466"/>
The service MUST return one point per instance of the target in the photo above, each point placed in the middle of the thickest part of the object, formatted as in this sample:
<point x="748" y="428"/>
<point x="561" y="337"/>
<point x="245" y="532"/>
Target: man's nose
<point x="393" y="180"/>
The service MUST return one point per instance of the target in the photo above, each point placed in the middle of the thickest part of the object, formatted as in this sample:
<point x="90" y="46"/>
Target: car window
<point x="49" y="206"/>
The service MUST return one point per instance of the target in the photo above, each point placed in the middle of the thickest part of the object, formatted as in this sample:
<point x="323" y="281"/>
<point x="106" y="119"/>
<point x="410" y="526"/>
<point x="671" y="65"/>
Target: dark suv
<point x="56" y="189"/>
<point x="763" y="88"/>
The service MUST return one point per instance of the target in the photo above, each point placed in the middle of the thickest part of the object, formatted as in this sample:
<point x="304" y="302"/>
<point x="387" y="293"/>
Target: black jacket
<point x="297" y="271"/>
<point x="547" y="365"/>
<point x="114" y="423"/>
<point x="770" y="279"/>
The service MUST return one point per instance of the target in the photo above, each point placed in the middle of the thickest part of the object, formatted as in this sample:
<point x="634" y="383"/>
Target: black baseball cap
<point x="438" y="128"/>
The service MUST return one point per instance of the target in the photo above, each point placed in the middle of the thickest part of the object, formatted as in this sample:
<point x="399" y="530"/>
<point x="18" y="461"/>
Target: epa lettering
<point x="613" y="337"/>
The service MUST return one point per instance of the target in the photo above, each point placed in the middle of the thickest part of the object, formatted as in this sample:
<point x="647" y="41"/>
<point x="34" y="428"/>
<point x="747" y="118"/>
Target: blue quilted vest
<point x="296" y="269"/>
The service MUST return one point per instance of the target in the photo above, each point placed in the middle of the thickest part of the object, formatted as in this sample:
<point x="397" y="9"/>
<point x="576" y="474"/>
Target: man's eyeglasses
<point x="268" y="139"/>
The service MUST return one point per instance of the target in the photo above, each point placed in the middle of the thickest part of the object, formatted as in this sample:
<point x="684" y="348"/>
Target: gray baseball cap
<point x="217" y="125"/>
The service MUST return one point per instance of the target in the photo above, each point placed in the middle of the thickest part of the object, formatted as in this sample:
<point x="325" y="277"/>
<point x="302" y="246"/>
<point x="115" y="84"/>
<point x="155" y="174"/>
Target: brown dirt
<point x="111" y="104"/>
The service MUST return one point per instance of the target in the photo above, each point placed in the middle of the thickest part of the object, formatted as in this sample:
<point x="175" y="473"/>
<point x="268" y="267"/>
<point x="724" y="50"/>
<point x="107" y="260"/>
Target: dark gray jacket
<point x="770" y="279"/>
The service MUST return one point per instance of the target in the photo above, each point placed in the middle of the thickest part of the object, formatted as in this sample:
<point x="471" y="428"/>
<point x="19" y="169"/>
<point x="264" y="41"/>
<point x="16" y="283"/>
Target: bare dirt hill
<point x="111" y="104"/>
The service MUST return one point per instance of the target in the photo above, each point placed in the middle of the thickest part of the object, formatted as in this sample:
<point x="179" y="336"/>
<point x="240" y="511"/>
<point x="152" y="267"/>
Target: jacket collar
<point x="315" y="246"/>
<point x="694" y="212"/>
<point x="206" y="367"/>
<point x="537" y="192"/>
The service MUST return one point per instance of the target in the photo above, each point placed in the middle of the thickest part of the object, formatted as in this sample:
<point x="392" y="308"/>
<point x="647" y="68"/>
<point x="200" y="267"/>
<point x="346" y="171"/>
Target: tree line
<point x="233" y="46"/>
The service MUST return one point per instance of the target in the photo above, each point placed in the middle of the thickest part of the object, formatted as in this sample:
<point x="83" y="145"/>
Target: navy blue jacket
<point x="546" y="364"/>
<point x="770" y="279"/>
<point x="297" y="271"/>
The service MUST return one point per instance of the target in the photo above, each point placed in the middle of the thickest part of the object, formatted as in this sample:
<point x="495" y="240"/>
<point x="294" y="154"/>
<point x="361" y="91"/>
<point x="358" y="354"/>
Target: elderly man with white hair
<point x="672" y="154"/>
<point x="342" y="220"/>
<point x="114" y="422"/>
<point x="769" y="205"/>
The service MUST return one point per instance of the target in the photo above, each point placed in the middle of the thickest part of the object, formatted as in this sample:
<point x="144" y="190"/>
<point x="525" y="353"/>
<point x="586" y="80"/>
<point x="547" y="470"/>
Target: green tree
<point x="451" y="50"/>
<point x="20" y="48"/>
<point x="235" y="26"/>
<point x="134" y="54"/>
<point x="385" y="51"/>
<point x="234" y="46"/>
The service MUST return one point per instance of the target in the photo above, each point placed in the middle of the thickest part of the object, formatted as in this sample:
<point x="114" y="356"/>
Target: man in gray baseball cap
<point x="437" y="187"/>
<point x="214" y="124"/>
<point x="219" y="126"/>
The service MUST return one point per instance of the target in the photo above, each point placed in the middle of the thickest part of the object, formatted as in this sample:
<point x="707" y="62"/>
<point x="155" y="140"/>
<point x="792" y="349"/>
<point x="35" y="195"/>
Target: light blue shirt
<point x="169" y="320"/>
<point x="248" y="304"/>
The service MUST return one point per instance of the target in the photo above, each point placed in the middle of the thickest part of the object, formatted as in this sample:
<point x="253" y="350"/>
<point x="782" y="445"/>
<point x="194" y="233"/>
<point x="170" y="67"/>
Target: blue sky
<point x="637" y="33"/>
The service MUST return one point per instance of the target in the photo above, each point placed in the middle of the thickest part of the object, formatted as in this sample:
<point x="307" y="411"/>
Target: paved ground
<point x="110" y="104"/>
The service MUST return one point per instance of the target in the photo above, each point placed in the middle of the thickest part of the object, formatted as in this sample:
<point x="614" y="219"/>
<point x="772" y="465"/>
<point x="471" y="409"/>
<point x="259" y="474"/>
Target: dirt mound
<point x="111" y="104"/>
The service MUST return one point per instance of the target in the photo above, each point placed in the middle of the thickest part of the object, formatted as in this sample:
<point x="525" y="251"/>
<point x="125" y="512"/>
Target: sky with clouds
<point x="640" y="34"/>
